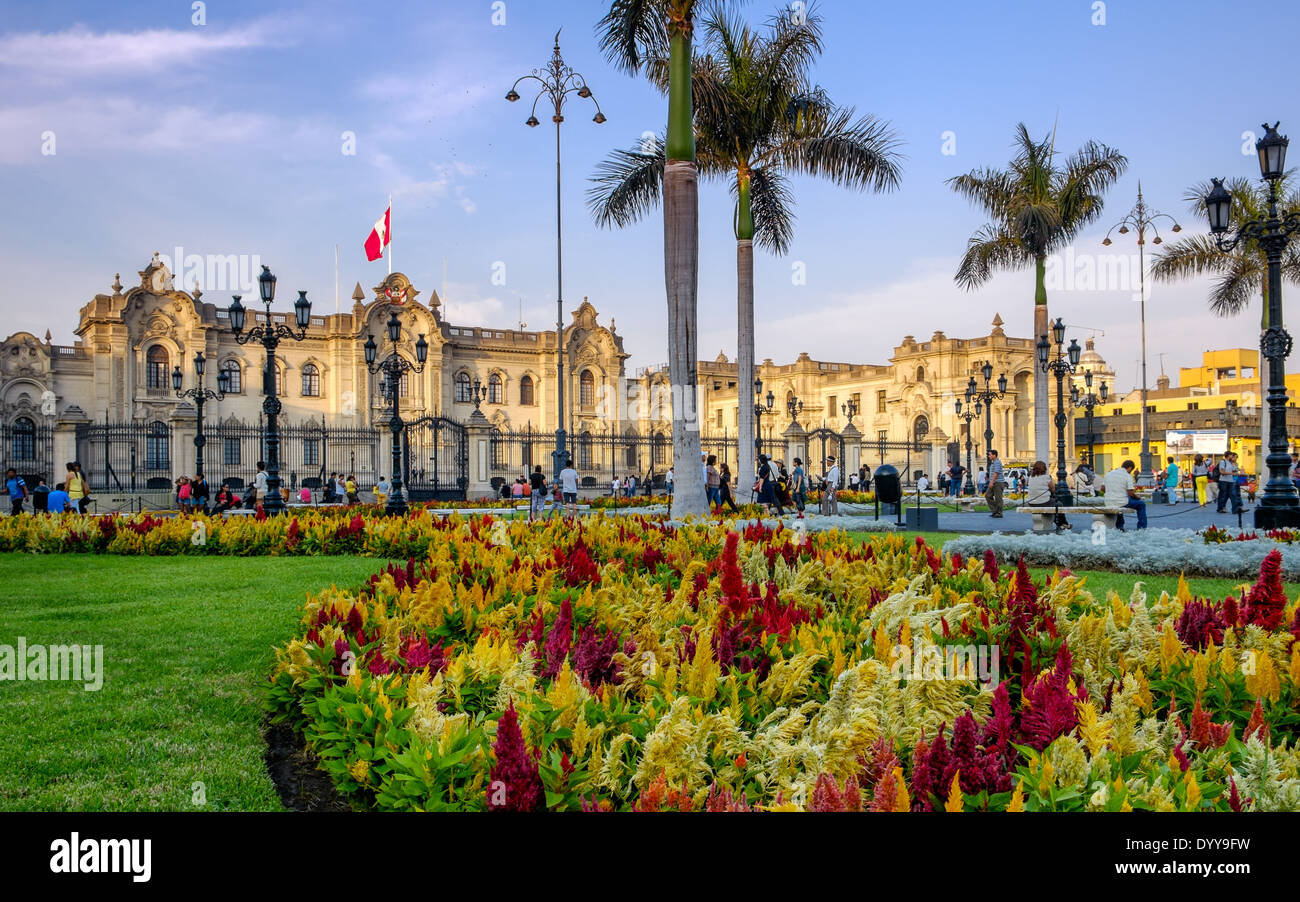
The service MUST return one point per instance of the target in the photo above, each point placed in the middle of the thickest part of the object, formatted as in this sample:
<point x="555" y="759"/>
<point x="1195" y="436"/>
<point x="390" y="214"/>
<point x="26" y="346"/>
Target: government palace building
<point x="108" y="400"/>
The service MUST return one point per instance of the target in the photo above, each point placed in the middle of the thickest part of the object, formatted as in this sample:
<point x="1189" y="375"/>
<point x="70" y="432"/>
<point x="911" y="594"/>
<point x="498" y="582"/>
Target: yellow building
<point x="1224" y="392"/>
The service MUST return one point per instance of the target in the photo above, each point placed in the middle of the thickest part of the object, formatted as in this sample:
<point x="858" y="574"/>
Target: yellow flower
<point x="1193" y="791"/>
<point x="1017" y="802"/>
<point x="1094" y="732"/>
<point x="955" y="801"/>
<point x="1171" y="649"/>
<point x="1263" y="683"/>
<point x="902" y="802"/>
<point x="360" y="770"/>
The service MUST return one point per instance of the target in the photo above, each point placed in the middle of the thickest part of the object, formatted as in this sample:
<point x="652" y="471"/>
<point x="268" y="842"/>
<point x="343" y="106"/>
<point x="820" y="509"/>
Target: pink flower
<point x="516" y="784"/>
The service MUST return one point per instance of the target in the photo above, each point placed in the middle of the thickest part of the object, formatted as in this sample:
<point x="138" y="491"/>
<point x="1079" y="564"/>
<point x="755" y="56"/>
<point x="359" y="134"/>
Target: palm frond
<point x="990" y="249"/>
<point x="772" y="203"/>
<point x="632" y="32"/>
<point x="854" y="153"/>
<point x="628" y="184"/>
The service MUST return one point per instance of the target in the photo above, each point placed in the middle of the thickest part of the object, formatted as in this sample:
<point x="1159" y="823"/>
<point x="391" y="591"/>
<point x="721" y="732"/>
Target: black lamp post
<point x="1063" y="363"/>
<point x="794" y="407"/>
<point x="972" y="412"/>
<point x="558" y="81"/>
<point x="269" y="336"/>
<point x="850" y="410"/>
<point x="1088" y="401"/>
<point x="987" y="397"/>
<point x="1142" y="219"/>
<point x="760" y="409"/>
<point x="1279" y="507"/>
<point x="394" y="367"/>
<point x="200" y="396"/>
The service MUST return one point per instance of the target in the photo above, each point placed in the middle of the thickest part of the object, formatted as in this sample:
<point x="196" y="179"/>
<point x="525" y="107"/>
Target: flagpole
<point x="389" y="236"/>
<point x="336" y="279"/>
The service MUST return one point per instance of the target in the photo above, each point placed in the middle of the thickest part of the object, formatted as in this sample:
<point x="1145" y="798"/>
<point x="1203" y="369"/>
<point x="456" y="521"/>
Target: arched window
<point x="584" y="451"/>
<point x="156" y="368"/>
<point x="279" y="381"/>
<point x="236" y="376"/>
<point x="157" y="447"/>
<point x="463" y="395"/>
<point x="526" y="394"/>
<point x="310" y="381"/>
<point x="496" y="393"/>
<point x="23" y="439"/>
<point x="921" y="428"/>
<point x="587" y="389"/>
<point x="920" y="374"/>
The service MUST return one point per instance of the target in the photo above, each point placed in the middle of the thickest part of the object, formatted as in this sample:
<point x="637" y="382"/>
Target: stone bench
<point x="1044" y="516"/>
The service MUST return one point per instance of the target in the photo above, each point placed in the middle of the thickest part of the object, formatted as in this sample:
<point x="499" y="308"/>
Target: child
<point x="304" y="495"/>
<point x="183" y="494"/>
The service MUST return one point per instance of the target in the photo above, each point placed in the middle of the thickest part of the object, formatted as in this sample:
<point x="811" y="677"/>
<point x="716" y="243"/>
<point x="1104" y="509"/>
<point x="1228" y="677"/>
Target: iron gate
<point x="120" y="457"/>
<point x="29" y="449"/>
<point x="435" y="460"/>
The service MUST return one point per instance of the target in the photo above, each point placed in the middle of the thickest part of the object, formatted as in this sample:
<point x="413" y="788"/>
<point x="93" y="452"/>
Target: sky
<point x="279" y="130"/>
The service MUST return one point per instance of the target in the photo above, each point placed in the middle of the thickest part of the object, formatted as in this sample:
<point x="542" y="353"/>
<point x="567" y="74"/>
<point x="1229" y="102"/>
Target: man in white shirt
<point x="569" y="488"/>
<point x="830" y="498"/>
<point x="1120" y="492"/>
<point x="923" y="484"/>
<point x="668" y="480"/>
<point x="259" y="481"/>
<point x="704" y="477"/>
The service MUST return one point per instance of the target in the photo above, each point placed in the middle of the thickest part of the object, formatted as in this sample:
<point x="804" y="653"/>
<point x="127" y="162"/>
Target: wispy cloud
<point x="78" y="51"/>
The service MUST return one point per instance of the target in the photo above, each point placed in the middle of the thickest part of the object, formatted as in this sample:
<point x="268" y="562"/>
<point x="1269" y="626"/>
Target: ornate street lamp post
<point x="794" y="407"/>
<point x="987" y="397"/>
<point x="761" y="409"/>
<point x="1088" y="402"/>
<point x="1142" y="219"/>
<point x="200" y="396"/>
<point x="557" y="81"/>
<point x="1060" y="365"/>
<point x="850" y="410"/>
<point x="269" y="336"/>
<point x="394" y="367"/>
<point x="1271" y="232"/>
<point x="972" y="412"/>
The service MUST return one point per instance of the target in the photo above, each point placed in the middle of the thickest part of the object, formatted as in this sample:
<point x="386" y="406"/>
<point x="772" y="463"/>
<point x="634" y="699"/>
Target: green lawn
<point x="186" y="643"/>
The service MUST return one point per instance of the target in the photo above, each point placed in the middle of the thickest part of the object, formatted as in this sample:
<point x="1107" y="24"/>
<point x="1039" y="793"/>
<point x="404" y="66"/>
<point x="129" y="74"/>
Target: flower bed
<point x="1170" y="551"/>
<point x="629" y="665"/>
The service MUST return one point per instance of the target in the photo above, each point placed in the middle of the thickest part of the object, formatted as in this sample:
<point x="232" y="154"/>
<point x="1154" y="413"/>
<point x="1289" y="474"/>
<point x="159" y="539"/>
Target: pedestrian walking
<point x="199" y="493"/>
<point x="725" y="495"/>
<point x="1229" y="490"/>
<point x="17" y="489"/>
<point x="569" y="488"/>
<point x="77" y="489"/>
<point x="537" y="493"/>
<point x="712" y="482"/>
<point x="799" y="486"/>
<point x="997" y="483"/>
<point x="831" y="487"/>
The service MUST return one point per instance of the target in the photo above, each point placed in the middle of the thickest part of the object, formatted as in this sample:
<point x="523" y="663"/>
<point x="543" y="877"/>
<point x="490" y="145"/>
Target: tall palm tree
<point x="758" y="118"/>
<point x="1242" y="272"/>
<point x="1036" y="207"/>
<point x="633" y="34"/>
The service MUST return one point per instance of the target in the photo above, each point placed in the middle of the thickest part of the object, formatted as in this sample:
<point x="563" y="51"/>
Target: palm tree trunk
<point x="745" y="457"/>
<point x="1042" y="414"/>
<point x="745" y="463"/>
<point x="681" y="278"/>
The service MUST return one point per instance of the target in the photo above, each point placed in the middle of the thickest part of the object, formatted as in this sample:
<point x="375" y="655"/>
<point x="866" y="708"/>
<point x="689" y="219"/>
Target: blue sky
<point x="226" y="138"/>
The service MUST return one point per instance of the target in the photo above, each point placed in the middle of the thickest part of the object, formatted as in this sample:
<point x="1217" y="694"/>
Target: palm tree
<point x="757" y="119"/>
<point x="1037" y="207"/>
<point x="1243" y="271"/>
<point x="632" y="35"/>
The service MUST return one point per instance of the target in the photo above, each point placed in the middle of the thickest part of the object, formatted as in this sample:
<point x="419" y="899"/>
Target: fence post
<point x="478" y="433"/>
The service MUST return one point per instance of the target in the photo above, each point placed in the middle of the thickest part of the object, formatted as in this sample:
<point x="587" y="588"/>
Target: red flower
<point x="1267" y="599"/>
<point x="1257" y="723"/>
<point x="991" y="564"/>
<point x="516" y="783"/>
<point x="1205" y="733"/>
<point x="558" y="641"/>
<point x="1047" y="704"/>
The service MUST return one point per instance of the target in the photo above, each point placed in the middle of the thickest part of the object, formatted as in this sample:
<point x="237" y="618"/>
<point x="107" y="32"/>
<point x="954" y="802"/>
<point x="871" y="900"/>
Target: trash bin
<point x="889" y="488"/>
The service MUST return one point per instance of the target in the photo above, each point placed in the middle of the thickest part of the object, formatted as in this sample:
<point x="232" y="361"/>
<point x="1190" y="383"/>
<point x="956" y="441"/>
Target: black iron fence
<point x="435" y="459"/>
<point x="29" y="449"/>
<point x="135" y="457"/>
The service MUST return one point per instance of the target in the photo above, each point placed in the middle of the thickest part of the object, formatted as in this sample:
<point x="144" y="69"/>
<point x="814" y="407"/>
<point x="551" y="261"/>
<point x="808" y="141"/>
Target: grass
<point x="187" y="641"/>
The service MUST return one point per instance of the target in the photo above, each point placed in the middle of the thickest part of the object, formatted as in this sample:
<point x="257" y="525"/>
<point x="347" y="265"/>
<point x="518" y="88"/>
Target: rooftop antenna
<point x="1162" y="363"/>
<point x="336" y="279"/>
<point x="522" y="325"/>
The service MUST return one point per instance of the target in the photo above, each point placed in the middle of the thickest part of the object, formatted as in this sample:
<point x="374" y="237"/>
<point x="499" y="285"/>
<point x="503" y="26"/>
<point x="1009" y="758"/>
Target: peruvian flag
<point x="379" y="236"/>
